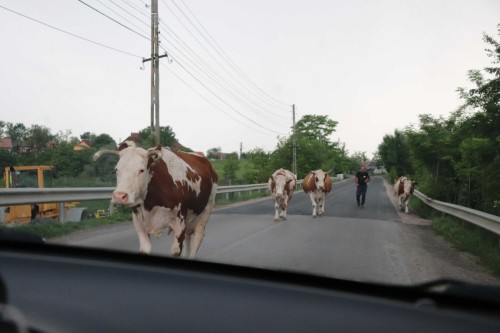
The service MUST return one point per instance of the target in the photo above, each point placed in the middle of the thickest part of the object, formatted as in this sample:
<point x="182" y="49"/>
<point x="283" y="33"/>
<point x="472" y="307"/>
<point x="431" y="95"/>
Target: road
<point x="375" y="243"/>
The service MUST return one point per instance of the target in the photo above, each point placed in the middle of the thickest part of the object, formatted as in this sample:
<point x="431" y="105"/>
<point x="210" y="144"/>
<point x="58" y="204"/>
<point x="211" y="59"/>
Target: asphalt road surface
<point x="375" y="243"/>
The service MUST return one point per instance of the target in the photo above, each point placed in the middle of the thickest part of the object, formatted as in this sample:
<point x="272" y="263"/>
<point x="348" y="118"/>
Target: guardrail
<point x="487" y="221"/>
<point x="28" y="196"/>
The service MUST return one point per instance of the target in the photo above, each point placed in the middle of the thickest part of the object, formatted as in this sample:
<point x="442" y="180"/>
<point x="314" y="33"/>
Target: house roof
<point x="6" y="143"/>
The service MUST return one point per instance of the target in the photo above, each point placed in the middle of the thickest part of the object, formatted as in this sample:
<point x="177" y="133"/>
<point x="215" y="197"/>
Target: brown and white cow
<point x="403" y="189"/>
<point x="166" y="189"/>
<point x="282" y="184"/>
<point x="317" y="184"/>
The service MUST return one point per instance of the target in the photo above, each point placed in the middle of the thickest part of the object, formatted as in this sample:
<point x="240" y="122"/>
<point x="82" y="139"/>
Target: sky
<point x="235" y="68"/>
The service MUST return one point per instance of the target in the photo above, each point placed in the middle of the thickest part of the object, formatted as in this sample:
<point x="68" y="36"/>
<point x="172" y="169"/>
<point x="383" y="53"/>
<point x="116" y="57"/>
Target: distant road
<point x="371" y="244"/>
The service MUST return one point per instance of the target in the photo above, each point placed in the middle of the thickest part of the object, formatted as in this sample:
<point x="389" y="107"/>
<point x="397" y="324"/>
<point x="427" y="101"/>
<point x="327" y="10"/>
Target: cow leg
<point x="407" y="209"/>
<point x="178" y="227"/>
<point x="187" y="246"/>
<point x="283" y="213"/>
<point x="313" y="201"/>
<point x="199" y="222"/>
<point x="144" y="240"/>
<point x="197" y="238"/>
<point x="321" y="206"/>
<point x="276" y="211"/>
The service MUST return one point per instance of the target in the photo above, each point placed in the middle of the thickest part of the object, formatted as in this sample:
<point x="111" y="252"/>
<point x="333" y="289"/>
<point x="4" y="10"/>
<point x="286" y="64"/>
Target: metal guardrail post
<point x="62" y="212"/>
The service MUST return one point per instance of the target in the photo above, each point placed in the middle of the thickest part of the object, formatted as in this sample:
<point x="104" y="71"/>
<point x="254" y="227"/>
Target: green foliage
<point x="230" y="167"/>
<point x="456" y="158"/>
<point x="394" y="154"/>
<point x="148" y="140"/>
<point x="258" y="169"/>
<point x="316" y="127"/>
<point x="103" y="141"/>
<point x="469" y="238"/>
<point x="6" y="159"/>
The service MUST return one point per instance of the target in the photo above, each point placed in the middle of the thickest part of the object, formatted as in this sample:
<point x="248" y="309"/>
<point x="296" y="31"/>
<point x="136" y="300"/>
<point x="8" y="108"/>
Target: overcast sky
<point x="236" y="67"/>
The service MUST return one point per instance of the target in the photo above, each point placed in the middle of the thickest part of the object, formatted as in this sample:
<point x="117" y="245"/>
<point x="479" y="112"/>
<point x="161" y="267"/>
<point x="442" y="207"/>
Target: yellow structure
<point x="38" y="176"/>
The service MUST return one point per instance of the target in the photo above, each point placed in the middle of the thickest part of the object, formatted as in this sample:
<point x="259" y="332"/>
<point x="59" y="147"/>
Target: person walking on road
<point x="361" y="180"/>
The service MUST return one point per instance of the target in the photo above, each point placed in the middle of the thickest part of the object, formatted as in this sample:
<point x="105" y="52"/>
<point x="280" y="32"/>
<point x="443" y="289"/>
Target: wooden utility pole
<point x="294" y="143"/>
<point x="155" y="73"/>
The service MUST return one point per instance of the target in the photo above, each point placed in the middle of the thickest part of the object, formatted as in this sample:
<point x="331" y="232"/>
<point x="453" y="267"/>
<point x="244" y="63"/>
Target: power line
<point x="179" y="64"/>
<point x="69" y="33"/>
<point x="228" y="59"/>
<point x="231" y="107"/>
<point x="112" y="19"/>
<point x="208" y="76"/>
<point x="232" y="87"/>
<point x="224" y="86"/>
<point x="231" y="75"/>
<point x="210" y="102"/>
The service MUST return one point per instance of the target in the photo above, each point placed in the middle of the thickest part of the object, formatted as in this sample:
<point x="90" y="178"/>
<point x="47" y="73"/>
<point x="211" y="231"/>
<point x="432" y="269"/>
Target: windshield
<point x="356" y="140"/>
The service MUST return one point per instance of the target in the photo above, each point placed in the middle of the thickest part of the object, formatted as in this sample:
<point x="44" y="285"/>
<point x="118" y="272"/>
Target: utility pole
<point x="155" y="73"/>
<point x="294" y="143"/>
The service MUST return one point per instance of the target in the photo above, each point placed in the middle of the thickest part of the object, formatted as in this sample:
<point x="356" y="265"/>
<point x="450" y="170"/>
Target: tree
<point x="17" y="133"/>
<point x="214" y="153"/>
<point x="103" y="140"/>
<point x="148" y="140"/>
<point x="316" y="127"/>
<point x="394" y="154"/>
<point x="6" y="159"/>
<point x="3" y="125"/>
<point x="88" y="136"/>
<point x="230" y="168"/>
<point x="258" y="169"/>
<point x="38" y="138"/>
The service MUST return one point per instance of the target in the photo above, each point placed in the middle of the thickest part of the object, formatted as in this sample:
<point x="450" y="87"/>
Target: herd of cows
<point x="174" y="190"/>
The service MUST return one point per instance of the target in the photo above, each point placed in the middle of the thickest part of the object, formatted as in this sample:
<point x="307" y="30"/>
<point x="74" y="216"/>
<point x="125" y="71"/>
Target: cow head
<point x="320" y="177"/>
<point x="281" y="184"/>
<point x="132" y="172"/>
<point x="406" y="187"/>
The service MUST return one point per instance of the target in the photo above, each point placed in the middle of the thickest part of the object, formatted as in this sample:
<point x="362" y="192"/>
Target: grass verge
<point x="464" y="236"/>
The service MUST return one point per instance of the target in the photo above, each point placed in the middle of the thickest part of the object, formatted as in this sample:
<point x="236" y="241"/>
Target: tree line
<point x="36" y="145"/>
<point x="456" y="158"/>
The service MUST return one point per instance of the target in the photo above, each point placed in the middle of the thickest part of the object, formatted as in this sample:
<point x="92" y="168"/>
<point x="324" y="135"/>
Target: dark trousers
<point x="361" y="192"/>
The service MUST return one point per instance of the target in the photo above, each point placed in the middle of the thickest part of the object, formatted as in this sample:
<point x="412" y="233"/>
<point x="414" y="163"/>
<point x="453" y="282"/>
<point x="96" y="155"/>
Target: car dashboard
<point x="53" y="288"/>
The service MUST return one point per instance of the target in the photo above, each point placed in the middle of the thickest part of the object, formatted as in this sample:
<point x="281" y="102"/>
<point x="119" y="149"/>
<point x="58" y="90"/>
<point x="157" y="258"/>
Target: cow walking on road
<point x="317" y="184"/>
<point x="403" y="189"/>
<point x="166" y="189"/>
<point x="282" y="184"/>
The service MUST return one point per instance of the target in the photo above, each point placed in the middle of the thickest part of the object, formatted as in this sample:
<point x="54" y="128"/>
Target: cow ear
<point x="126" y="144"/>
<point x="153" y="157"/>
